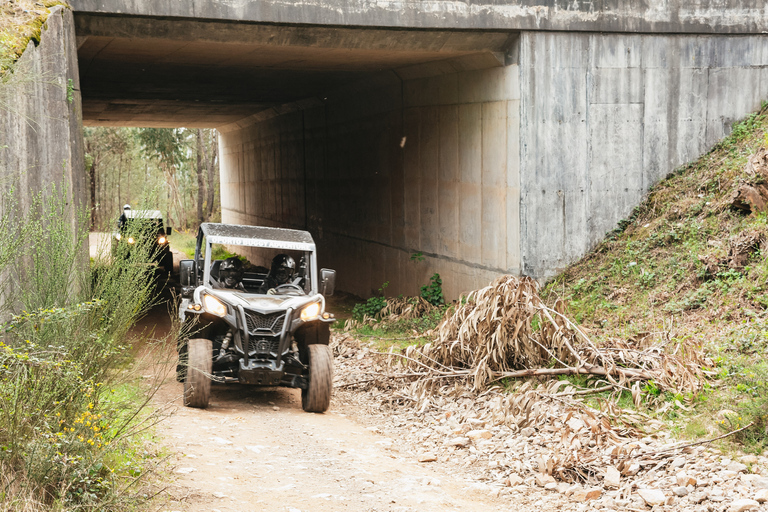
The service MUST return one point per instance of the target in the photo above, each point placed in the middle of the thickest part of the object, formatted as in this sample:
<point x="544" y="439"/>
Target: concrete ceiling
<point x="138" y="71"/>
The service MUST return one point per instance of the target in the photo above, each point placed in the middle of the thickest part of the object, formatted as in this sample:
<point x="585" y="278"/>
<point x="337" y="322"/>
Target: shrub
<point x="752" y="384"/>
<point x="60" y="347"/>
<point x="371" y="307"/>
<point x="433" y="292"/>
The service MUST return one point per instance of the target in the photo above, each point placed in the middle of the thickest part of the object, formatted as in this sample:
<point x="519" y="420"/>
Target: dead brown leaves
<point x="505" y="330"/>
<point x="396" y="309"/>
<point x="494" y="332"/>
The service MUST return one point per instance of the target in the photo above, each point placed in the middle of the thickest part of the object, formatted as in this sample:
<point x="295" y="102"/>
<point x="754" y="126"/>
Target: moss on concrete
<point x="21" y="21"/>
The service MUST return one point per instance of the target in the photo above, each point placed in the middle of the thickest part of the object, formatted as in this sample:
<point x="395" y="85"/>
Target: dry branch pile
<point x="394" y="310"/>
<point x="539" y="428"/>
<point x="505" y="330"/>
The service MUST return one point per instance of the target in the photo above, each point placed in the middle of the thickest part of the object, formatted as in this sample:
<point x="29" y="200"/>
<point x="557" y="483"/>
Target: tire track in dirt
<point x="255" y="449"/>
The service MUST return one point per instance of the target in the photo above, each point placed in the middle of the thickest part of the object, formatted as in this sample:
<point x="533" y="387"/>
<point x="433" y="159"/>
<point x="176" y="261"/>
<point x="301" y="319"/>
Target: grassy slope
<point x="666" y="274"/>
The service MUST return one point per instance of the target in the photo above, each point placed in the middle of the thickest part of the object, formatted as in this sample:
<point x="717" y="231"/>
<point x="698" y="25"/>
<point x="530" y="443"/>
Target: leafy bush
<point x="433" y="292"/>
<point x="752" y="407"/>
<point x="370" y="307"/>
<point x="63" y="340"/>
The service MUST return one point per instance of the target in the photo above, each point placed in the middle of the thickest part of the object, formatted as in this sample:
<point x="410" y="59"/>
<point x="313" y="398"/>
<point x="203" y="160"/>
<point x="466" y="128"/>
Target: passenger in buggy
<point x="281" y="271"/>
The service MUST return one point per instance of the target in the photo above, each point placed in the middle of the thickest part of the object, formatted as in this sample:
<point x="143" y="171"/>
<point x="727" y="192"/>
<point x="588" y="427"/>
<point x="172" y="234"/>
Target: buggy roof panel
<point x="143" y="214"/>
<point x="258" y="236"/>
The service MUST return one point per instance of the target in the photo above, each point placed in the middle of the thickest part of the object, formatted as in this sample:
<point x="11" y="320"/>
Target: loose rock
<point x="587" y="494"/>
<point x="543" y="479"/>
<point x="738" y="467"/>
<point x="742" y="505"/>
<point x="612" y="477"/>
<point x="683" y="479"/>
<point x="479" y="434"/>
<point x="460" y="442"/>
<point x="652" y="496"/>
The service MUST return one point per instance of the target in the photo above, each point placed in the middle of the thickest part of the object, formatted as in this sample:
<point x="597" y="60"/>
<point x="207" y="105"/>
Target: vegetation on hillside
<point x="691" y="263"/>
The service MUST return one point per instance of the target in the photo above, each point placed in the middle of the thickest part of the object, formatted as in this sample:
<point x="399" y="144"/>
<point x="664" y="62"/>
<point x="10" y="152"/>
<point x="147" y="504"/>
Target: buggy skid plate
<point x="260" y="377"/>
<point x="260" y="372"/>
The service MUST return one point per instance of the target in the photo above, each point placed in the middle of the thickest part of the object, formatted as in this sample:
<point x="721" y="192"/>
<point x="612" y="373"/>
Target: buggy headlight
<point x="214" y="305"/>
<point x="162" y="240"/>
<point x="131" y="240"/>
<point x="310" y="312"/>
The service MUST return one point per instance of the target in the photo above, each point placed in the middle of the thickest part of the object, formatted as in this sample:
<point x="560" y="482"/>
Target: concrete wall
<point x="519" y="169"/>
<point x="41" y="141"/>
<point x="606" y="116"/>
<point x="398" y="165"/>
<point x="671" y="16"/>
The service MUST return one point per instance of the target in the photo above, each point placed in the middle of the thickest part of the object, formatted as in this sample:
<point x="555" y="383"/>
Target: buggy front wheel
<point x="197" y="385"/>
<point x="317" y="396"/>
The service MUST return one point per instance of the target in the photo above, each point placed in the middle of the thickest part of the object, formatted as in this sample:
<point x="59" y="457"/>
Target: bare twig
<point x="705" y="441"/>
<point x="587" y="369"/>
<point x="586" y="391"/>
<point x="451" y="372"/>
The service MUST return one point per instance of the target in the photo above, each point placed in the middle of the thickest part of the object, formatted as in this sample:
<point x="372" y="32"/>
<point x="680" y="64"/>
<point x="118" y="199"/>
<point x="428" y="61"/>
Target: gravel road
<point x="255" y="449"/>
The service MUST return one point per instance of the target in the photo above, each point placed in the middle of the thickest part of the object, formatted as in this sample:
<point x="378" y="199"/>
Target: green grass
<point x="183" y="241"/>
<point x="668" y="268"/>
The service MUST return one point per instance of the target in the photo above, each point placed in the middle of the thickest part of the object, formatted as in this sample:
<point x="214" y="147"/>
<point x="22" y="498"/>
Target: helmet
<point x="283" y="268"/>
<point x="231" y="271"/>
<point x="127" y="207"/>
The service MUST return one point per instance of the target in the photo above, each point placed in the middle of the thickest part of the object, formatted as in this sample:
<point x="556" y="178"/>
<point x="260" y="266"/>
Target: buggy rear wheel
<point x="197" y="385"/>
<point x="317" y="396"/>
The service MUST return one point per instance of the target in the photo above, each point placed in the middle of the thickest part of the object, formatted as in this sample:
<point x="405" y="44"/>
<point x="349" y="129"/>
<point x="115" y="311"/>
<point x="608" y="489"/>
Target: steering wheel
<point x="289" y="287"/>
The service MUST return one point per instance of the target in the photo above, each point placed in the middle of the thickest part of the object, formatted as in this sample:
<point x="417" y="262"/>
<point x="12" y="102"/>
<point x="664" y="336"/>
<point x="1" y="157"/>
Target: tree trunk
<point x="212" y="164"/>
<point x="200" y="177"/>
<point x="92" y="185"/>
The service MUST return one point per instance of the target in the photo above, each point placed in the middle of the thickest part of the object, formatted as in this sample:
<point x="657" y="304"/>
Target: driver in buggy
<point x="231" y="273"/>
<point x="281" y="272"/>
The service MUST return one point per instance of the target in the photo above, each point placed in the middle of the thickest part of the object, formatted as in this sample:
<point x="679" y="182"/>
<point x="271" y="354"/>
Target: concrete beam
<point x="658" y="16"/>
<point x="184" y="72"/>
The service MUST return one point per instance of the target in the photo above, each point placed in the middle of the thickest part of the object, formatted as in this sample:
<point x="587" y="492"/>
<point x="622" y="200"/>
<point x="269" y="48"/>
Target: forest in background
<point x="174" y="170"/>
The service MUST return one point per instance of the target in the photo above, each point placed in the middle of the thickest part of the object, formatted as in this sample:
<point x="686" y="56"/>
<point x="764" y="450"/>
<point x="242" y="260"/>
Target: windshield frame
<point x="207" y="241"/>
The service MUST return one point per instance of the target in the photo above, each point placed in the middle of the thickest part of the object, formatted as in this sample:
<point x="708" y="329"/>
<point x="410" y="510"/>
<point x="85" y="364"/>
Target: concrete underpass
<point x="488" y="150"/>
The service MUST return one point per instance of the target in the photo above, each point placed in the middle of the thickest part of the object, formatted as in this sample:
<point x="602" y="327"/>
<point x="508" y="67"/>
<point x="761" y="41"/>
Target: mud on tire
<point x="197" y="385"/>
<point x="317" y="396"/>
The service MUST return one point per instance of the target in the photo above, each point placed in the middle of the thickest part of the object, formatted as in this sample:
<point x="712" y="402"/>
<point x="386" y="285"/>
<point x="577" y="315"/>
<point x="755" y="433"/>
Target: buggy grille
<point x="271" y="323"/>
<point x="263" y="346"/>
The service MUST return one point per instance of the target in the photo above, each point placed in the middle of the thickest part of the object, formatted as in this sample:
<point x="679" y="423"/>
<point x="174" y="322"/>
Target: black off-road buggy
<point x="247" y="333"/>
<point x="137" y="226"/>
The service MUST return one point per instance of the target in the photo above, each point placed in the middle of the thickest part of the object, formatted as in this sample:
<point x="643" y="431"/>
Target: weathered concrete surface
<point x="171" y="72"/>
<point x="41" y="141"/>
<point x="606" y="116"/>
<point x="659" y="16"/>
<point x="491" y="137"/>
<point x="516" y="169"/>
<point x="386" y="169"/>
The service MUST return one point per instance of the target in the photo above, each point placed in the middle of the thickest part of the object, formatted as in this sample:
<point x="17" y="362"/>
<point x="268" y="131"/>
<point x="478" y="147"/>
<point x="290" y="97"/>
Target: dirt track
<point x="254" y="449"/>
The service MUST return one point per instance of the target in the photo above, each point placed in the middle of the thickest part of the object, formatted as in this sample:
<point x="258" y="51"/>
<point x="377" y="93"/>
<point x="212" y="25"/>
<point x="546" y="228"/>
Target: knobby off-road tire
<point x="197" y="385"/>
<point x="317" y="396"/>
<point x="181" y="366"/>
